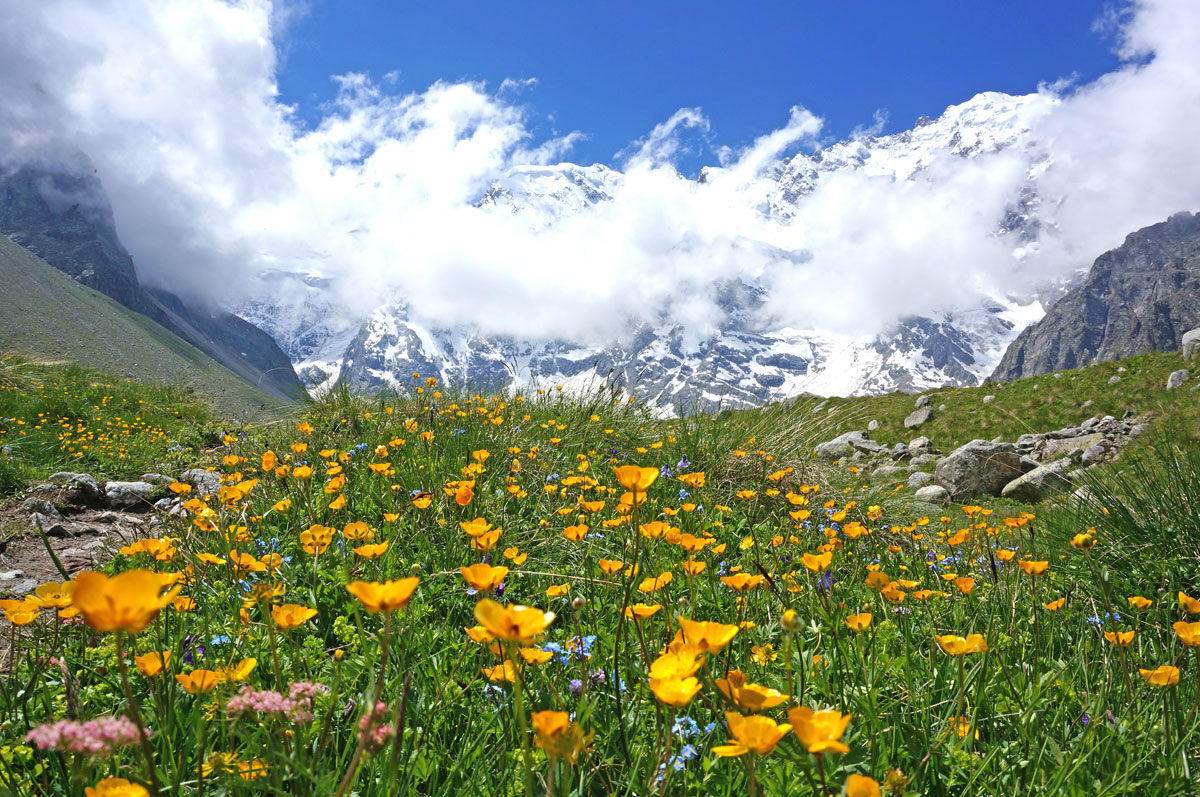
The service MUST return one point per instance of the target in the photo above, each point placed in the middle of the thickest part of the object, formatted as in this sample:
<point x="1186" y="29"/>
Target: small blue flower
<point x="683" y="493"/>
<point x="683" y="463"/>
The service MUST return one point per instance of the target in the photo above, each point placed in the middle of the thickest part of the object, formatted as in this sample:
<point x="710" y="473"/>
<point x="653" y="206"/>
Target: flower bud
<point x="790" y="621"/>
<point x="578" y="602"/>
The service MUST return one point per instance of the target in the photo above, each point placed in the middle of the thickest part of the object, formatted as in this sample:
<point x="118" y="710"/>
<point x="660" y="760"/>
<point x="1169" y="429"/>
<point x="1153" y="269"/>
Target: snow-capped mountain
<point x="740" y="363"/>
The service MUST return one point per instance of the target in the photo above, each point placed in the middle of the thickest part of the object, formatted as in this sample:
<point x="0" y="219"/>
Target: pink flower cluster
<point x="296" y="705"/>
<point x="373" y="733"/>
<point x="95" y="737"/>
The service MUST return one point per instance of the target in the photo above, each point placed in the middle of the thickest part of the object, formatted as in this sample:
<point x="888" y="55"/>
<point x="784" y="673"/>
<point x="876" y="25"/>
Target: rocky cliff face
<point x="1140" y="297"/>
<point x="66" y="220"/>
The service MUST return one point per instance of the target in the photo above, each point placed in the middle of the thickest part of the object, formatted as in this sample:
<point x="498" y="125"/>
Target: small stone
<point x="59" y="531"/>
<point x="40" y="506"/>
<point x="207" y="483"/>
<point x="1114" y="380"/>
<point x="157" y="478"/>
<point x="919" y="479"/>
<point x="872" y="426"/>
<point x="11" y="575"/>
<point x="932" y="492"/>
<point x="922" y="401"/>
<point x="1177" y="378"/>
<point x="918" y="418"/>
<point x="988" y="399"/>
<point x="126" y="494"/>
<point x="20" y="587"/>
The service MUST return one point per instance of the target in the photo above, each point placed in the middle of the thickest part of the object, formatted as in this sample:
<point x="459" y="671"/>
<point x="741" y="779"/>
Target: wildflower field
<point x="445" y="594"/>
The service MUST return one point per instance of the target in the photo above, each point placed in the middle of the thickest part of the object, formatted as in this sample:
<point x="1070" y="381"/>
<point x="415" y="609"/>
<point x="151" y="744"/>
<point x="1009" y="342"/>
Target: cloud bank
<point x="213" y="180"/>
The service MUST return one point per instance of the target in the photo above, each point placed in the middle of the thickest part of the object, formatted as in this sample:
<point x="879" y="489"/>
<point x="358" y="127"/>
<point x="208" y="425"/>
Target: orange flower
<point x="634" y="479"/>
<point x="199" y="681"/>
<point x="694" y="568"/>
<point x="1140" y="603"/>
<point x="748" y="696"/>
<point x="741" y="581"/>
<point x="512" y="623"/>
<point x="707" y="636"/>
<point x="575" y="533"/>
<point x="819" y="731"/>
<point x="422" y="500"/>
<point x="151" y="664"/>
<point x="372" y="551"/>
<point x="316" y="538"/>
<point x="676" y="692"/>
<point x="554" y="732"/>
<point x="654" y="584"/>
<point x="862" y="786"/>
<point x="558" y="590"/>
<point x="1162" y="677"/>
<point x="752" y="734"/>
<point x="535" y="655"/>
<point x="816" y="562"/>
<point x="126" y="602"/>
<point x="1192" y="605"/>
<point x="640" y="611"/>
<point x="484" y="577"/>
<point x="966" y="584"/>
<point x="1189" y="633"/>
<point x="960" y="646"/>
<point x="501" y="672"/>
<point x="1119" y="638"/>
<point x="383" y="597"/>
<point x="858" y="622"/>
<point x="1054" y="606"/>
<point x="1032" y="568"/>
<point x="693" y="480"/>
<point x="291" y="615"/>
<point x="116" y="787"/>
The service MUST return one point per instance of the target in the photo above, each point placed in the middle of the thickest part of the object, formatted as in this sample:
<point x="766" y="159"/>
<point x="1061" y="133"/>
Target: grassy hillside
<point x="46" y="316"/>
<point x="1034" y="404"/>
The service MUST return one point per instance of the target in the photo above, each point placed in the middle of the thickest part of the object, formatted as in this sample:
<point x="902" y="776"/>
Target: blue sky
<point x="613" y="70"/>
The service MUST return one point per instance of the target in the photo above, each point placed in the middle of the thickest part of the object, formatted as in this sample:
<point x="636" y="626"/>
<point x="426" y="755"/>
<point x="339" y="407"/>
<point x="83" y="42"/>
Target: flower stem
<point x="136" y="716"/>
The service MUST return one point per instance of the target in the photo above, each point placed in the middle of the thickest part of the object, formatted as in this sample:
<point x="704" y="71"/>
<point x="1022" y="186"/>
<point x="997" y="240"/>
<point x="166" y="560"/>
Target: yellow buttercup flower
<point x="1032" y="568"/>
<point x="748" y="696"/>
<point x="151" y="664"/>
<point x="858" y="622"/>
<point x="1119" y="638"/>
<point x="199" y="681"/>
<point x="742" y="582"/>
<point x="752" y="734"/>
<point x="1162" y="677"/>
<point x="383" y="597"/>
<point x="634" y="479"/>
<point x="819" y="731"/>
<point x="707" y="636"/>
<point x="1189" y="633"/>
<point x="1140" y="603"/>
<point x="676" y="692"/>
<point x="484" y="577"/>
<point x="562" y="739"/>
<point x="116" y="787"/>
<point x="959" y="646"/>
<point x="126" y="602"/>
<point x="512" y="623"/>
<point x="862" y="786"/>
<point x="640" y="611"/>
<point x="291" y="615"/>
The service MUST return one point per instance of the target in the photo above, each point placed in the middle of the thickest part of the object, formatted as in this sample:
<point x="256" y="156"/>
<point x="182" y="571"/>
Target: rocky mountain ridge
<point x="1140" y="297"/>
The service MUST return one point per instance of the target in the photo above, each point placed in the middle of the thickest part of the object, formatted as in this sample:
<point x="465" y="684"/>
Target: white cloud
<point x="213" y="179"/>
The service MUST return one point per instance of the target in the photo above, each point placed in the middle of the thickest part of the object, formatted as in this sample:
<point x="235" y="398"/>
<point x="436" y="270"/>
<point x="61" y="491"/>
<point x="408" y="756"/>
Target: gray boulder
<point x="919" y="479"/>
<point x="1072" y="447"/>
<point x="205" y="482"/>
<point x="889" y="474"/>
<point x="157" y="478"/>
<point x="920" y="444"/>
<point x="1190" y="344"/>
<point x="922" y="401"/>
<point x="120" y="495"/>
<point x="42" y="507"/>
<point x="838" y="447"/>
<point x="1177" y="378"/>
<point x="1097" y="453"/>
<point x="1035" y="485"/>
<point x="933" y="492"/>
<point x="918" y="418"/>
<point x="978" y="468"/>
<point x="18" y="587"/>
<point x="85" y="486"/>
<point x="922" y="460"/>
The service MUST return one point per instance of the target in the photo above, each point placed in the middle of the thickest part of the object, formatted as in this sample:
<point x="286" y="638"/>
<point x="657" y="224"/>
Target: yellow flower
<point x="640" y="611"/>
<point x="1189" y="633"/>
<point x="554" y="732"/>
<point x="116" y="787"/>
<point x="422" y="500"/>
<point x="742" y="581"/>
<point x="654" y="584"/>
<point x="535" y="655"/>
<point x="816" y="562"/>
<point x="372" y="550"/>
<point x="761" y="655"/>
<point x="752" y="734"/>
<point x="1192" y="605"/>
<point x="819" y="731"/>
<point x="484" y="577"/>
<point x="965" y="584"/>
<point x="316" y="538"/>
<point x="858" y="622"/>
<point x="1120" y="638"/>
<point x="862" y="786"/>
<point x="291" y="615"/>
<point x="237" y="672"/>
<point x="676" y="692"/>
<point x="1032" y="568"/>
<point x="126" y="602"/>
<point x="707" y="637"/>
<point x="1140" y="603"/>
<point x="151" y="664"/>
<point x="1162" y="677"/>
<point x="575" y="533"/>
<point x="610" y="566"/>
<point x="1055" y="605"/>
<point x="693" y="480"/>
<point x="512" y="623"/>
<point x="634" y="479"/>
<point x="501" y="672"/>
<point x="558" y="590"/>
<point x="199" y="681"/>
<point x="959" y="646"/>
<point x="748" y="696"/>
<point x="383" y="597"/>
